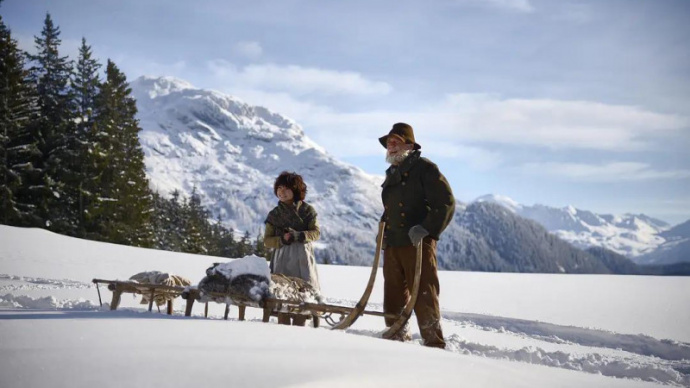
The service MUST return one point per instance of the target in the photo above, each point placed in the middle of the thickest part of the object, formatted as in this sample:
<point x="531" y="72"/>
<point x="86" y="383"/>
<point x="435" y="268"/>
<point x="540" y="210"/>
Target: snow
<point x="502" y="200"/>
<point x="248" y="265"/>
<point x="502" y="330"/>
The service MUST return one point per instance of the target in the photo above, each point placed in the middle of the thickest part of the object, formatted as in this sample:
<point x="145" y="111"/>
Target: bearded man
<point x="418" y="205"/>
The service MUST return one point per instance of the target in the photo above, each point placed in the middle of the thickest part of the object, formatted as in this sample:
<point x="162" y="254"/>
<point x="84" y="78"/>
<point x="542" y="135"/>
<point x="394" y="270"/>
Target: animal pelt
<point x="257" y="288"/>
<point x="160" y="278"/>
<point x="293" y="289"/>
<point x="253" y="287"/>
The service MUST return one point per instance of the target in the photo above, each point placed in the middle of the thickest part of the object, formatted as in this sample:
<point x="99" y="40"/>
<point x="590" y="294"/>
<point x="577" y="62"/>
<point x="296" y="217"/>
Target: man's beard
<point x="397" y="159"/>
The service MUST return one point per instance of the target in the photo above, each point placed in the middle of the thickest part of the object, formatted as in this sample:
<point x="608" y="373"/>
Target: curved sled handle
<point x="362" y="304"/>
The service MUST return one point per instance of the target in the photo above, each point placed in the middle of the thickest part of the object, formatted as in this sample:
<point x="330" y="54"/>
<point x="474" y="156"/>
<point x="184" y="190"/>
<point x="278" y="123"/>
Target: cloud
<point x="554" y="124"/>
<point x="138" y="68"/>
<point x="510" y="5"/>
<point x="467" y="126"/>
<point x="296" y="80"/>
<point x="249" y="50"/>
<point x="476" y="157"/>
<point x="515" y="5"/>
<point x="68" y="47"/>
<point x="608" y="172"/>
<point x="464" y="120"/>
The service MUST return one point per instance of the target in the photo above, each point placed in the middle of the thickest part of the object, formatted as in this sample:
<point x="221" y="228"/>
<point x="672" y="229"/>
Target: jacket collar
<point x="394" y="173"/>
<point x="295" y="206"/>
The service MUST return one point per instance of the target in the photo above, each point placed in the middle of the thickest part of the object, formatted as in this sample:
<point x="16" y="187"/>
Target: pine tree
<point x="56" y="132"/>
<point x="85" y="85"/>
<point x="228" y="245"/>
<point x="217" y="234"/>
<point x="259" y="248"/>
<point x="196" y="220"/>
<point x="123" y="209"/>
<point x="167" y="222"/>
<point x="18" y="149"/>
<point x="244" y="247"/>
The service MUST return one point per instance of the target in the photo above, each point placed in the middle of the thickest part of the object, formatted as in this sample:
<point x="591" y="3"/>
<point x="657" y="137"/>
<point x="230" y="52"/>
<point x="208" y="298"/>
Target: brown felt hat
<point x="404" y="132"/>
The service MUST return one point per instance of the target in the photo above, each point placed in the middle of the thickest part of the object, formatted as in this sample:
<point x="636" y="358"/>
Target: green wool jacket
<point x="415" y="193"/>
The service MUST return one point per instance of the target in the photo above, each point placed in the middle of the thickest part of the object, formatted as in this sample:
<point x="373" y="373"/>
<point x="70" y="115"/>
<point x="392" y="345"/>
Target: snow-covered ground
<point x="502" y="330"/>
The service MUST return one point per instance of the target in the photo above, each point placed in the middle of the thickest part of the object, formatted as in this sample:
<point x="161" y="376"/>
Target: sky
<point x="582" y="103"/>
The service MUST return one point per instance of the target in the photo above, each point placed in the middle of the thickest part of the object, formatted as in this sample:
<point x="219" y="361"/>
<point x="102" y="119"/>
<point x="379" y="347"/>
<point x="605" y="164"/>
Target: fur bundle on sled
<point x="293" y="289"/>
<point x="160" y="278"/>
<point x="251" y="286"/>
<point x="256" y="286"/>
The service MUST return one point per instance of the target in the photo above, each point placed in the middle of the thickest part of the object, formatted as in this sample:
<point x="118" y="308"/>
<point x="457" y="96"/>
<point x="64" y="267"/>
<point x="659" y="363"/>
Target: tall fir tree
<point x="55" y="130"/>
<point x="193" y="237"/>
<point x="123" y="209"/>
<point x="18" y="148"/>
<point x="259" y="248"/>
<point x="85" y="85"/>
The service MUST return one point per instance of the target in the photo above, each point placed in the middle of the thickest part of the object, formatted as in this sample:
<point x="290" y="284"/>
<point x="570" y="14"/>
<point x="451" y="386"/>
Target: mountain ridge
<point x="230" y="152"/>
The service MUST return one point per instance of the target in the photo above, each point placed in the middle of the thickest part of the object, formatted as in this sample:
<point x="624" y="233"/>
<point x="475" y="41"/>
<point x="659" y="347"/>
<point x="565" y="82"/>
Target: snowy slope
<point x="502" y="330"/>
<point x="232" y="152"/>
<point x="631" y="235"/>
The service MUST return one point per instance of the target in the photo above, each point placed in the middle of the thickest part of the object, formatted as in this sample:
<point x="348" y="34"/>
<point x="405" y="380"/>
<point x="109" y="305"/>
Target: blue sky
<point x="583" y="103"/>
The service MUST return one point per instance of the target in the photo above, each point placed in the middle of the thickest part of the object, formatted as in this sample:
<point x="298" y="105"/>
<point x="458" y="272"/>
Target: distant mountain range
<point x="675" y="249"/>
<point x="631" y="235"/>
<point x="232" y="152"/>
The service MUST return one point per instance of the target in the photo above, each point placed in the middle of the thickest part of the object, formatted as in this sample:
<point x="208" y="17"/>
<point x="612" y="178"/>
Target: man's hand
<point x="417" y="234"/>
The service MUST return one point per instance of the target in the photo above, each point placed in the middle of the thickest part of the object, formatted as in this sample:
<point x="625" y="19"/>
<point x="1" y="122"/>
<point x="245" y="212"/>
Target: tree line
<point x="71" y="161"/>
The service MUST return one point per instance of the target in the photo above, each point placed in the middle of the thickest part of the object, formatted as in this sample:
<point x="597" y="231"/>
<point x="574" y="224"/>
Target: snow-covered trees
<point x="121" y="205"/>
<point x="85" y="85"/>
<point x="71" y="161"/>
<point x="55" y="130"/>
<point x="20" y="158"/>
<point x="182" y="225"/>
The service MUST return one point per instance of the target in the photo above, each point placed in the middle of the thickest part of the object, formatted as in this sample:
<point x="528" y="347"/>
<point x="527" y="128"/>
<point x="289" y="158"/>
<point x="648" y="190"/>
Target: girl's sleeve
<point x="313" y="232"/>
<point x="270" y="239"/>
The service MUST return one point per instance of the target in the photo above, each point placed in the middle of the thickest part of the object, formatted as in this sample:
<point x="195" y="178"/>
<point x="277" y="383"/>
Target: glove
<point x="290" y="239"/>
<point x="296" y="236"/>
<point x="300" y="237"/>
<point x="417" y="233"/>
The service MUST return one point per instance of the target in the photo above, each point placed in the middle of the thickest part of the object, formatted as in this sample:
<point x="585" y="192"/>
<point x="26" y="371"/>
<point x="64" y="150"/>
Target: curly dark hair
<point x="292" y="181"/>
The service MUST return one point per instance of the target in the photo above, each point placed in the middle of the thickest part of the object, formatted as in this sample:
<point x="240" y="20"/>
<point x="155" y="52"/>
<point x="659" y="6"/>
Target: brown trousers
<point x="398" y="274"/>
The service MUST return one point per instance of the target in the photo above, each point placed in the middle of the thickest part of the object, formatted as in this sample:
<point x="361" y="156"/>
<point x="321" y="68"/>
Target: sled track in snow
<point x="633" y="343"/>
<point x="637" y="356"/>
<point x="39" y="283"/>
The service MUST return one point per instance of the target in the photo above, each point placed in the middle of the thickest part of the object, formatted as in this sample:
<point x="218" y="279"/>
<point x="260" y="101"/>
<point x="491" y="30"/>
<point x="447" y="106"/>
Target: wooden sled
<point x="152" y="290"/>
<point x="275" y="306"/>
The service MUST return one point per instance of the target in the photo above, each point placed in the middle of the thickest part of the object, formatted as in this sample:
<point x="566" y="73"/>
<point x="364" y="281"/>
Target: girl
<point x="290" y="229"/>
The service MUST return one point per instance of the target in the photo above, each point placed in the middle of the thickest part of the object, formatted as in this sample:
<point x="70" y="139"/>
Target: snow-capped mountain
<point x="675" y="249"/>
<point x="631" y="235"/>
<point x="232" y="152"/>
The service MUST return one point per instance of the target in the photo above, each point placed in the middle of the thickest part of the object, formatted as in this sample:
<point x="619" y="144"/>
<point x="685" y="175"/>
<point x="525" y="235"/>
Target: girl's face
<point x="285" y="194"/>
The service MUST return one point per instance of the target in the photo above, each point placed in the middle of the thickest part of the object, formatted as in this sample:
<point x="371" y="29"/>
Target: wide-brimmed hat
<point x="402" y="131"/>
